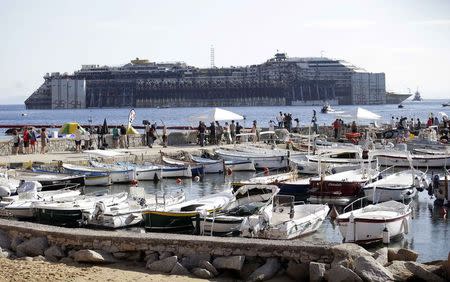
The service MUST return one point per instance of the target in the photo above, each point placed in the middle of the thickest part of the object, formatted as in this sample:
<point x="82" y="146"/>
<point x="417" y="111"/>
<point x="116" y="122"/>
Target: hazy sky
<point x="408" y="40"/>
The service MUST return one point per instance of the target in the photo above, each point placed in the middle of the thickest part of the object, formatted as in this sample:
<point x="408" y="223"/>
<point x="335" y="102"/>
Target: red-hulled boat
<point x="340" y="188"/>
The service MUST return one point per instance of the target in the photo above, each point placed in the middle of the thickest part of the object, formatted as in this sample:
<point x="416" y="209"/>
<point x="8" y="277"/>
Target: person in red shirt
<point x="26" y="140"/>
<point x="336" y="127"/>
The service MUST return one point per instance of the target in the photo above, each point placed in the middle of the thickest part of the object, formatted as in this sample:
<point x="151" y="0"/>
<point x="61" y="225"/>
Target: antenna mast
<point x="212" y="57"/>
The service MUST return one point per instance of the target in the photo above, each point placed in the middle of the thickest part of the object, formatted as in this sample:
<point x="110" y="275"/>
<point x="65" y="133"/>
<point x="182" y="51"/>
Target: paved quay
<point x="131" y="154"/>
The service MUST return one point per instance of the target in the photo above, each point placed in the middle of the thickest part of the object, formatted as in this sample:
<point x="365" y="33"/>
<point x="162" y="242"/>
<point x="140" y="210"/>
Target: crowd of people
<point x="29" y="140"/>
<point x="216" y="134"/>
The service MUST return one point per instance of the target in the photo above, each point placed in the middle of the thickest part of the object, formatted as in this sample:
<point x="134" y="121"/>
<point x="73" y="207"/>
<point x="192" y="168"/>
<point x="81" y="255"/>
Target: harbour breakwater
<point x="208" y="257"/>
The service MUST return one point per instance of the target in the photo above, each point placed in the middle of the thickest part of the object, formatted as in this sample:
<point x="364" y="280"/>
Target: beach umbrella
<point x="216" y="114"/>
<point x="105" y="127"/>
<point x="69" y="128"/>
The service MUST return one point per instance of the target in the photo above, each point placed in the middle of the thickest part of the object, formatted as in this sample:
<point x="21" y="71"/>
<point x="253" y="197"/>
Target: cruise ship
<point x="281" y="80"/>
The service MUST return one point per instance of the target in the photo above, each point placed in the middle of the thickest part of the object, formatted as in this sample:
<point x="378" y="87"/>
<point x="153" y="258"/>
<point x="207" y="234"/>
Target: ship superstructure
<point x="279" y="81"/>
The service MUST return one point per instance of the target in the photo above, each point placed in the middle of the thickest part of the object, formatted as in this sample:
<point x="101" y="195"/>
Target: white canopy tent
<point x="216" y="114"/>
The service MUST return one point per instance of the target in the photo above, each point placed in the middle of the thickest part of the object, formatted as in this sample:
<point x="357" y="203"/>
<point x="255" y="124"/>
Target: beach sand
<point x="21" y="270"/>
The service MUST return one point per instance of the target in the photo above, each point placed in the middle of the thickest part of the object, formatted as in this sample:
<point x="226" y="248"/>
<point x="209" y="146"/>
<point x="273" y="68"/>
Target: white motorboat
<point x="8" y="185"/>
<point x="245" y="165"/>
<point x="119" y="174"/>
<point x="370" y="224"/>
<point x="398" y="186"/>
<point x="261" y="159"/>
<point x="69" y="213"/>
<point x="247" y="200"/>
<point x="20" y="206"/>
<point x="209" y="165"/>
<point x="285" y="219"/>
<point x="180" y="217"/>
<point x="145" y="172"/>
<point x="267" y="180"/>
<point x="93" y="176"/>
<point x="176" y="171"/>
<point x="129" y="212"/>
<point x="196" y="169"/>
<point x="399" y="158"/>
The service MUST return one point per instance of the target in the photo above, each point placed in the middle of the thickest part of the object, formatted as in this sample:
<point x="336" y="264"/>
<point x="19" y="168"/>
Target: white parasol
<point x="216" y="114"/>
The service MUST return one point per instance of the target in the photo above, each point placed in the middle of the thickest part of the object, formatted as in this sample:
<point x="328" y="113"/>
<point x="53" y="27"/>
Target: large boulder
<point x="16" y="241"/>
<point x="381" y="256"/>
<point x="33" y="247"/>
<point x="297" y="271"/>
<point x="345" y="254"/>
<point x="151" y="258"/>
<point x="402" y="254"/>
<point x="202" y="273"/>
<point x="266" y="271"/>
<point x="421" y="271"/>
<point x="178" y="269"/>
<point x="5" y="240"/>
<point x="208" y="266"/>
<point x="316" y="271"/>
<point x="342" y="274"/>
<point x="231" y="262"/>
<point x="54" y="252"/>
<point x="400" y="271"/>
<point x="370" y="270"/>
<point x="91" y="256"/>
<point x="165" y="265"/>
<point x="193" y="260"/>
<point x="248" y="268"/>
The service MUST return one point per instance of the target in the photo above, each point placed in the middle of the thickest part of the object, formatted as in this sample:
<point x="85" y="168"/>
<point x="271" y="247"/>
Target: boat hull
<point x="59" y="217"/>
<point x="98" y="180"/>
<point x="299" y="191"/>
<point x="334" y="192"/>
<point x="384" y="194"/>
<point x="365" y="231"/>
<point x="176" y="172"/>
<point x="148" y="174"/>
<point x="173" y="222"/>
<point x="423" y="161"/>
<point x="240" y="165"/>
<point x="220" y="225"/>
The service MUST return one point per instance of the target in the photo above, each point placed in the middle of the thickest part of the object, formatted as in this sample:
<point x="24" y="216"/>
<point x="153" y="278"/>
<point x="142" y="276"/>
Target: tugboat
<point x="417" y="96"/>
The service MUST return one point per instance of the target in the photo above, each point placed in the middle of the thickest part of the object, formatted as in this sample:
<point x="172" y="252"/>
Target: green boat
<point x="182" y="218"/>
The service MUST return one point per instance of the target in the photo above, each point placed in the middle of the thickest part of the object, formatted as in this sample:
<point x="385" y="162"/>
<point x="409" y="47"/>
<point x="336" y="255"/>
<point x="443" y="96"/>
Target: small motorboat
<point x="325" y="109"/>
<point x="243" y="165"/>
<point x="144" y="172"/>
<point x="49" y="180"/>
<point x="20" y="206"/>
<point x="390" y="220"/>
<point x="266" y="180"/>
<point x="299" y="188"/>
<point x="247" y="200"/>
<point x="93" y="176"/>
<point x="69" y="213"/>
<point x="209" y="165"/>
<point x="129" y="212"/>
<point x="119" y="174"/>
<point x="446" y="104"/>
<point x="284" y="218"/>
<point x="196" y="169"/>
<point x="181" y="217"/>
<point x="398" y="186"/>
<point x="400" y="106"/>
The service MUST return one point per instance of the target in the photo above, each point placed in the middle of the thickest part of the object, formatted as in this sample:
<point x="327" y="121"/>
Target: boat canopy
<point x="216" y="114"/>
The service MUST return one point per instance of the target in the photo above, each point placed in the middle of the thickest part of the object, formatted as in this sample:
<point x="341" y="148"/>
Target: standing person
<point x="314" y="122"/>
<point x="78" y="134"/>
<point x="393" y="123"/>
<point x="115" y="137"/>
<point x="280" y="120"/>
<point x="411" y="125"/>
<point x="226" y="133"/>
<point x="219" y="133"/>
<point x="354" y="127"/>
<point x="33" y="140"/>
<point x="16" y="142"/>
<point x="147" y="135"/>
<point x="238" y="131"/>
<point x="26" y="140"/>
<point x="254" y="130"/>
<point x="271" y="128"/>
<point x="123" y="137"/>
<point x="44" y="140"/>
<point x="212" y="134"/>
<point x="418" y="124"/>
<point x="99" y="137"/>
<point x="336" y="127"/>
<point x="233" y="131"/>
<point x="297" y="125"/>
<point x="201" y="131"/>
<point x="436" y="121"/>
<point x="152" y="135"/>
<point x="164" y="136"/>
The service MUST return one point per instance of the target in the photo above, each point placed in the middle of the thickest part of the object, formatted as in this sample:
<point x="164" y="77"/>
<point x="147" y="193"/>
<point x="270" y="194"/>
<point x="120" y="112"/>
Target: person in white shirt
<point x="78" y="137"/>
<point x="280" y="120"/>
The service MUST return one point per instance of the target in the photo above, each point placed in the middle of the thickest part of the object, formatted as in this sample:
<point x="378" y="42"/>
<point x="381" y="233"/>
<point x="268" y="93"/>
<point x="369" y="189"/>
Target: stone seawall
<point x="181" y="245"/>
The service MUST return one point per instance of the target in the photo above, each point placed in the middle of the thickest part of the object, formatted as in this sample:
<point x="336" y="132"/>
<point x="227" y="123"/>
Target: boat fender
<point x="197" y="178"/>
<point x="386" y="236"/>
<point x="229" y="171"/>
<point x="333" y="170"/>
<point x="405" y="226"/>
<point x="179" y="181"/>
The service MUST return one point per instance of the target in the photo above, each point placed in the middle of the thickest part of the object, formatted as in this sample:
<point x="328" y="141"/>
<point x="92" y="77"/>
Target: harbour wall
<point x="180" y="245"/>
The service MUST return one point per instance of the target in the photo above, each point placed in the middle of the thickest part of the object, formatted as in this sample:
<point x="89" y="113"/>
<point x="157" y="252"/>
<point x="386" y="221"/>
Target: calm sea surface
<point x="429" y="234"/>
